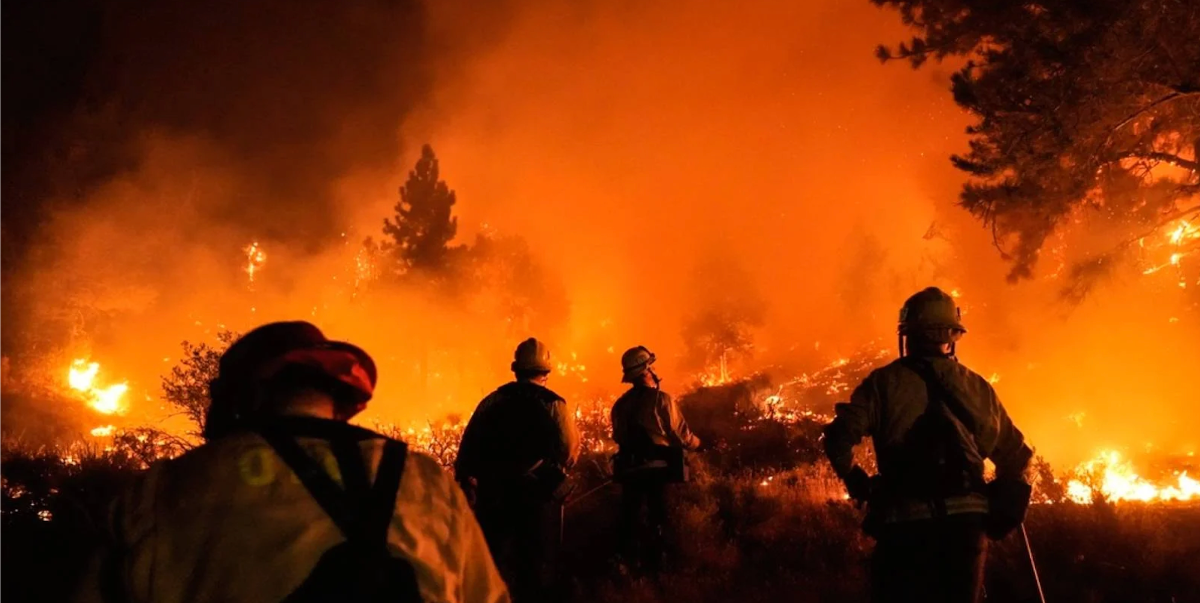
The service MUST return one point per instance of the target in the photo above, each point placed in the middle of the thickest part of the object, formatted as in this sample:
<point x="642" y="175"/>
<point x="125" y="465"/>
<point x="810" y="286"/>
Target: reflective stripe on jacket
<point x="889" y="401"/>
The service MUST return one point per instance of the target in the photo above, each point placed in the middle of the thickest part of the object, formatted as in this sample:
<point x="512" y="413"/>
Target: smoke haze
<point x="660" y="159"/>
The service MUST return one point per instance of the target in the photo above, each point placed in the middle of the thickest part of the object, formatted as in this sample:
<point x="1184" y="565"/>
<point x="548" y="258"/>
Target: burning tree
<point x="729" y="309"/>
<point x="523" y="291"/>
<point x="1084" y="110"/>
<point x="423" y="226"/>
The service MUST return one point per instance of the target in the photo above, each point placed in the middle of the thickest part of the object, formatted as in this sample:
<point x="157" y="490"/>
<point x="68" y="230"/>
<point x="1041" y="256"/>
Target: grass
<point x="763" y="520"/>
<point x="737" y="540"/>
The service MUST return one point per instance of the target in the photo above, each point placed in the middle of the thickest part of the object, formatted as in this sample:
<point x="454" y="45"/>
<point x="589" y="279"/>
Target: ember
<point x="255" y="259"/>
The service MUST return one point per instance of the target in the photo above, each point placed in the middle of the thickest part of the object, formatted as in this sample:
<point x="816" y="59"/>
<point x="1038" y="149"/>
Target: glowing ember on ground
<point x="1117" y="480"/>
<point x="105" y="400"/>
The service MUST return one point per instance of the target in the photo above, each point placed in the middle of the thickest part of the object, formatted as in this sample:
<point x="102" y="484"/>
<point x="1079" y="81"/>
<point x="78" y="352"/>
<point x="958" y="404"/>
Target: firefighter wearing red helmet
<point x="933" y="422"/>
<point x="289" y="502"/>
<point x="513" y="460"/>
<point x="651" y="435"/>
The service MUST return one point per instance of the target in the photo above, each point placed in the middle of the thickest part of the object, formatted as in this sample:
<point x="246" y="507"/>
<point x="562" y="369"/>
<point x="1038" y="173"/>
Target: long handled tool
<point x="562" y="507"/>
<point x="1033" y="564"/>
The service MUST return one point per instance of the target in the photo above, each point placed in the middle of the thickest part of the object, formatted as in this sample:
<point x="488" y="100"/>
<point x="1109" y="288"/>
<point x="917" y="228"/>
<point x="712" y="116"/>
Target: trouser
<point x="522" y="534"/>
<point x="642" y="542"/>
<point x="934" y="560"/>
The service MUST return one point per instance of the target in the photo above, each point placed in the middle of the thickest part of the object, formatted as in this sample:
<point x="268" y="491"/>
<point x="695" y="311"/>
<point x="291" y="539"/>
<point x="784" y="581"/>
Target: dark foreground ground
<point x="736" y="539"/>
<point x="740" y="541"/>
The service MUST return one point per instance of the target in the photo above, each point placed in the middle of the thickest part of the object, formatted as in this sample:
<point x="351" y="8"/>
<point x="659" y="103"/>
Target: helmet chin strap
<point x="655" y="377"/>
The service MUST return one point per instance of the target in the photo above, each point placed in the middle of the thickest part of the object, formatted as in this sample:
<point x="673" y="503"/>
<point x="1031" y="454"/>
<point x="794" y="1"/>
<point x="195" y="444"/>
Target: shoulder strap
<point x="367" y="517"/>
<point x="319" y="484"/>
<point x="381" y="504"/>
<point x="939" y="394"/>
<point x="353" y="468"/>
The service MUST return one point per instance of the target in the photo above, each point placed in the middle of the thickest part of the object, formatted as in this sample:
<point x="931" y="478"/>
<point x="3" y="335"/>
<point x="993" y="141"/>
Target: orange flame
<point x="105" y="400"/>
<point x="1116" y="480"/>
<point x="255" y="258"/>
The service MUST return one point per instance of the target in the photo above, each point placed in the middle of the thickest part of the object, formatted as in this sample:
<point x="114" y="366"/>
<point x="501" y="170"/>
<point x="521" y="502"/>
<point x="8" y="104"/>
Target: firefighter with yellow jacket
<point x="651" y="436"/>
<point x="933" y="422"/>
<point x="289" y="502"/>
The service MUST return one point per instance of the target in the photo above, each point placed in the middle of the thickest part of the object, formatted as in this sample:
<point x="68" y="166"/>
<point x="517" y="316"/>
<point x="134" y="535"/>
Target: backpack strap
<point x="353" y="468"/>
<point x="939" y="395"/>
<point x="320" y="485"/>
<point x="361" y="514"/>
<point x="380" y="506"/>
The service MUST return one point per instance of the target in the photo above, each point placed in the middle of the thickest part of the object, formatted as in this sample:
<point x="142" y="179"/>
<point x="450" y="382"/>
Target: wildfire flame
<point x="1117" y="480"/>
<point x="717" y="375"/>
<point x="255" y="259"/>
<point x="573" y="367"/>
<point x="104" y="400"/>
<point x="364" y="267"/>
<point x="1183" y="239"/>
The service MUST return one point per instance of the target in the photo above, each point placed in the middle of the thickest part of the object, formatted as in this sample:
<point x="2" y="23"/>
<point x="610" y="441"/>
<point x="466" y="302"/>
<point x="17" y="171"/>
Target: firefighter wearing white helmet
<point x="651" y="435"/>
<point x="933" y="422"/>
<point x="513" y="458"/>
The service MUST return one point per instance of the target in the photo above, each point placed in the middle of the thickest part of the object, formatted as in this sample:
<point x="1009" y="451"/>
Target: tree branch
<point x="1159" y="156"/>
<point x="1166" y="219"/>
<point x="1162" y="100"/>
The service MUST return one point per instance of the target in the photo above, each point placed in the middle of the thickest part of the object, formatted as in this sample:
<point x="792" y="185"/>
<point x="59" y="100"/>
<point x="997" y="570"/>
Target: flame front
<point x="104" y="400"/>
<point x="1116" y="479"/>
<point x="82" y="375"/>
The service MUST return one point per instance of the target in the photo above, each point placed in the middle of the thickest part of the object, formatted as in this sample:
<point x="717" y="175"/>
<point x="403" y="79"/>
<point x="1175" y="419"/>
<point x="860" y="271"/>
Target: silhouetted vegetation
<point x="763" y="520"/>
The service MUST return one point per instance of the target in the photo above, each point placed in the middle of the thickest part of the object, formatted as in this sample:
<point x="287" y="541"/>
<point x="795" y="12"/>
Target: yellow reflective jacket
<point x="887" y="404"/>
<point x="229" y="521"/>
<point x="646" y="415"/>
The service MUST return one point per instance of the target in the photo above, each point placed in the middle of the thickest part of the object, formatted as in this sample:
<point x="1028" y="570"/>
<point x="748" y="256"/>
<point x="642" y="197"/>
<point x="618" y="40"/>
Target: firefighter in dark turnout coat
<point x="513" y="458"/>
<point x="933" y="422"/>
<point x="651" y="435"/>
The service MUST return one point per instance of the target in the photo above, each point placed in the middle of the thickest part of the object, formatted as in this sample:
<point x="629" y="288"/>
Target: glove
<point x="858" y="484"/>
<point x="1008" y="500"/>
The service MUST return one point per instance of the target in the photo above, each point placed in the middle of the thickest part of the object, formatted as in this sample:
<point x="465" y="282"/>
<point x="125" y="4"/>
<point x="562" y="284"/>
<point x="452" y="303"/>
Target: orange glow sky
<point x="647" y="152"/>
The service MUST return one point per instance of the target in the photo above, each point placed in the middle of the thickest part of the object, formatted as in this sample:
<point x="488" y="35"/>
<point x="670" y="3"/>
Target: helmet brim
<point x="343" y="362"/>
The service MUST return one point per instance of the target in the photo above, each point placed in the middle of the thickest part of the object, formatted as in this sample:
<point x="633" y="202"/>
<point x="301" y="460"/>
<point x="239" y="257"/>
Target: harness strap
<point x="361" y="511"/>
